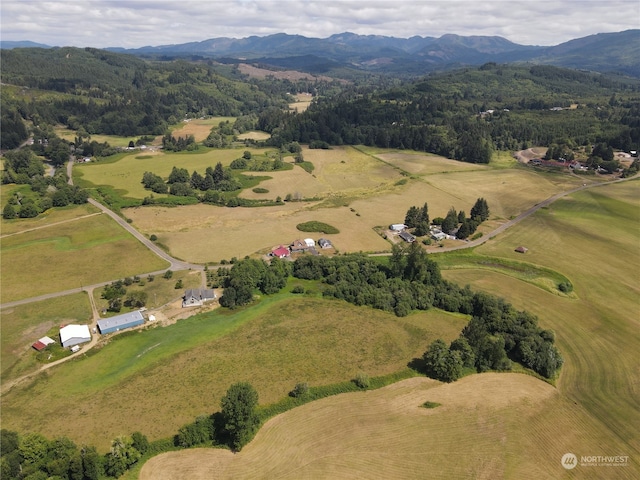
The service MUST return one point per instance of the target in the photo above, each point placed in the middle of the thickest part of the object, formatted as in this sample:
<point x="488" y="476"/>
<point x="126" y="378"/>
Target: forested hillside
<point x="106" y="93"/>
<point x="469" y="113"/>
<point x="465" y="114"/>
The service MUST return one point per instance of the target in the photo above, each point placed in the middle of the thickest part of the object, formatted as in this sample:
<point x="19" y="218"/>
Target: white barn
<point x="397" y="227"/>
<point x="74" y="334"/>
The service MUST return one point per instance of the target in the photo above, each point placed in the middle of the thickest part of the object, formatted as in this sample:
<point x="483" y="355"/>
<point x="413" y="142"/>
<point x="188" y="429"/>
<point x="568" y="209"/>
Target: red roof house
<point x="281" y="252"/>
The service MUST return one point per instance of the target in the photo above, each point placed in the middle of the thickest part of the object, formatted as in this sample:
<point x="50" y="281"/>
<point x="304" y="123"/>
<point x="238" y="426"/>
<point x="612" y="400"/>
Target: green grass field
<point x="71" y="254"/>
<point x="126" y="174"/>
<point x="21" y="326"/>
<point x="184" y="369"/>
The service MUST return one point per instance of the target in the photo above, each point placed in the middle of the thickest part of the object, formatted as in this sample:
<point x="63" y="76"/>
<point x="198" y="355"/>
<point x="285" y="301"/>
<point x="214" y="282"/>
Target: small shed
<point x="324" y="243"/>
<point x="522" y="249"/>
<point x="71" y="335"/>
<point x="195" y="297"/>
<point x="120" y="322"/>
<point x="43" y="343"/>
<point x="397" y="227"/>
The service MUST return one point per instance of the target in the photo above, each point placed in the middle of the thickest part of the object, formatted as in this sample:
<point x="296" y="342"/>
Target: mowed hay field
<point x="70" y="254"/>
<point x="168" y="376"/>
<point x="490" y="425"/>
<point x="199" y="127"/>
<point x="592" y="237"/>
<point x="202" y="233"/>
<point x="478" y="431"/>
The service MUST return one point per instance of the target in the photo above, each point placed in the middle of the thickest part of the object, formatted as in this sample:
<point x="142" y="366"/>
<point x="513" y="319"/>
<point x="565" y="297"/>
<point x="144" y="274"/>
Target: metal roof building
<point x="120" y="322"/>
<point x="74" y="334"/>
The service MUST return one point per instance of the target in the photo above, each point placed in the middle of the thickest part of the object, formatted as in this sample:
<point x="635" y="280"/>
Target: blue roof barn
<point x="120" y="322"/>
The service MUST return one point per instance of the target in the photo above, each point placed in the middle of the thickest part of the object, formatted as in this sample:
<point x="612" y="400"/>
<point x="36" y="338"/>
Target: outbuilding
<point x="71" y="335"/>
<point x="522" y="249"/>
<point x="407" y="237"/>
<point x="398" y="227"/>
<point x="43" y="343"/>
<point x="324" y="243"/>
<point x="310" y="242"/>
<point x="120" y="322"/>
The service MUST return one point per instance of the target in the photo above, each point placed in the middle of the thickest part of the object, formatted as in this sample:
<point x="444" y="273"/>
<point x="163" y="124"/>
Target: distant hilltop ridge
<point x="604" y="52"/>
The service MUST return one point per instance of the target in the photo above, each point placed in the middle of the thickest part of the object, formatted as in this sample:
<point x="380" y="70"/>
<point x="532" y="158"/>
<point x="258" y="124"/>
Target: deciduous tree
<point x="239" y="412"/>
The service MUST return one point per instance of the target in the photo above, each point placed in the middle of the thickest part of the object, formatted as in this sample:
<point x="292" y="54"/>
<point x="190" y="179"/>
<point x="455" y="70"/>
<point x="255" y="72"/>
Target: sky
<point x="137" y="23"/>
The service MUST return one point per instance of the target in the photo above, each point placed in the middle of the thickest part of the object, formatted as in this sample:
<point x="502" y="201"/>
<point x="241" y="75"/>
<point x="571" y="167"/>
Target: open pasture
<point x="588" y="238"/>
<point x="206" y="233"/>
<point x="161" y="374"/>
<point x="490" y="425"/>
<point x="420" y="163"/>
<point x="71" y="254"/>
<point x="50" y="218"/>
<point x="126" y="174"/>
<point x="113" y="140"/>
<point x="478" y="431"/>
<point x="303" y="100"/>
<point x="254" y="135"/>
<point x="340" y="172"/>
<point x="199" y="127"/>
<point x="202" y="233"/>
<point x="21" y="326"/>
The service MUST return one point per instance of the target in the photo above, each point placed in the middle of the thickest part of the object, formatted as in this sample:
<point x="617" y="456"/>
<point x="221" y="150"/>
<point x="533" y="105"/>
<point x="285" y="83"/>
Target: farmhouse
<point x="195" y="297"/>
<point x="120" y="322"/>
<point x="71" y="335"/>
<point x="438" y="236"/>
<point x="281" y="252"/>
<point x="42" y="343"/>
<point x="324" y="243"/>
<point x="397" y="227"/>
<point x="298" y="246"/>
<point x="407" y="237"/>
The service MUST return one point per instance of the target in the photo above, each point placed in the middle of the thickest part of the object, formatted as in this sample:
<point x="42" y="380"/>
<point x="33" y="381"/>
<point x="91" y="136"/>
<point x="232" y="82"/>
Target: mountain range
<point x="604" y="52"/>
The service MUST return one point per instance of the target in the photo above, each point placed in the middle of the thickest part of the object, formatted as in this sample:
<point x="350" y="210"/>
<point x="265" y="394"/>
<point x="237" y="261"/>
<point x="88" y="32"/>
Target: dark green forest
<point x="470" y="113"/>
<point x="464" y="114"/>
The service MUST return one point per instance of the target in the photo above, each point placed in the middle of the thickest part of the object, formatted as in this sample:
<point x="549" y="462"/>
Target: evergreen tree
<point x="480" y="210"/>
<point x="450" y="222"/>
<point x="412" y="217"/>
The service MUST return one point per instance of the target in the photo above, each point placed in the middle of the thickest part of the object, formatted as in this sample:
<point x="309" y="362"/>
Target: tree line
<point x="46" y="191"/>
<point x="497" y="333"/>
<point x="34" y="457"/>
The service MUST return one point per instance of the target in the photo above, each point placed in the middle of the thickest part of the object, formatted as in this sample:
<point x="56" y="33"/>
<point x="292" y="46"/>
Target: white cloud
<point x="135" y="23"/>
